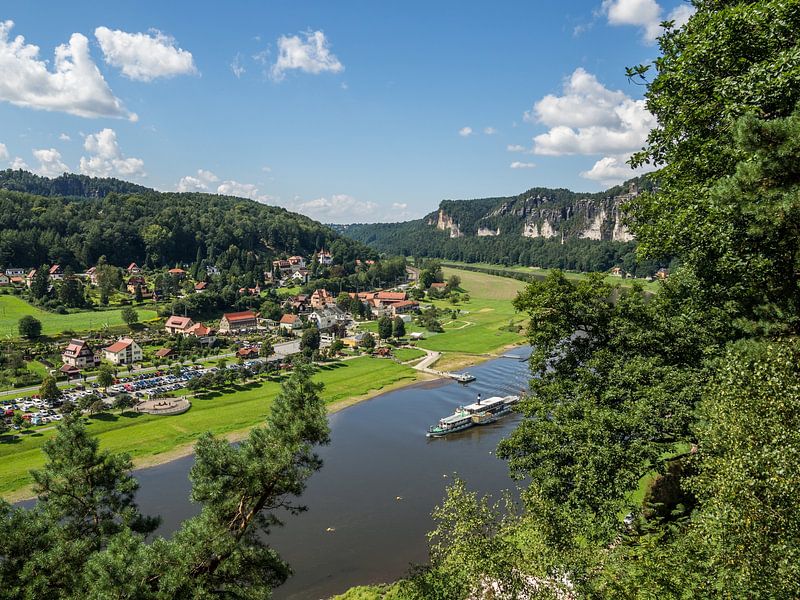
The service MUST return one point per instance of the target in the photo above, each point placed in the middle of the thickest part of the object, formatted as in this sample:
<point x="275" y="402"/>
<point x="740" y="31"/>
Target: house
<point x="353" y="341"/>
<point x="123" y="352"/>
<point x="325" y="318"/>
<point x="439" y="287"/>
<point x="17" y="280"/>
<point x="133" y="269"/>
<point x="29" y="277"/>
<point x="301" y="276"/>
<point x="15" y="272"/>
<point x="56" y="273"/>
<point x="296" y="263"/>
<point x="70" y="371"/>
<point x="298" y="304"/>
<point x="617" y="272"/>
<point x="417" y="335"/>
<point x="321" y="298"/>
<point x="391" y="297"/>
<point x="164" y="353"/>
<point x="290" y="322"/>
<point x="79" y="354"/>
<point x="324" y="258"/>
<point x="178" y="325"/>
<point x="282" y="266"/>
<point x="212" y="270"/>
<point x="4" y="279"/>
<point x="178" y="273"/>
<point x="403" y="307"/>
<point x="237" y="321"/>
<point x="200" y="286"/>
<point x="412" y="273"/>
<point x="202" y="333"/>
<point x="91" y="275"/>
<point x="662" y="274"/>
<point x="250" y="291"/>
<point x="247" y="353"/>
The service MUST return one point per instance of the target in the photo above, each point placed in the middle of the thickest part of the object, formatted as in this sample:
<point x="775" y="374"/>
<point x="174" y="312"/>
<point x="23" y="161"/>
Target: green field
<point x="241" y="407"/>
<point x="12" y="309"/>
<point x="650" y="286"/>
<point x="405" y="354"/>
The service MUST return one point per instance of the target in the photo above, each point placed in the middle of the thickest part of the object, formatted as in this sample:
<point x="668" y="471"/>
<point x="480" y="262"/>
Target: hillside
<point x="73" y="220"/>
<point x="540" y="227"/>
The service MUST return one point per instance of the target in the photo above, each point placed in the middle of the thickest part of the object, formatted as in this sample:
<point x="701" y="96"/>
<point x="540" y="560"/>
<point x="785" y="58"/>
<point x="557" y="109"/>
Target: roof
<point x="438" y="285"/>
<point x="199" y="329"/>
<point x="392" y="295"/>
<point x="163" y="352"/>
<point x="289" y="319"/>
<point x="55" y="269"/>
<point x="75" y="346"/>
<point x="247" y="315"/>
<point x="246" y="351"/>
<point x="200" y="285"/>
<point x="132" y="266"/>
<point x="69" y="369"/>
<point x="404" y="303"/>
<point x="119" y="346"/>
<point x="178" y="322"/>
<point x="176" y="271"/>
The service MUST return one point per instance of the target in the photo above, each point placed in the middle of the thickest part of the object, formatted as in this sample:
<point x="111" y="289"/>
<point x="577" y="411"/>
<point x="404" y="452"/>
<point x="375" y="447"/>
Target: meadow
<point x="12" y="309"/>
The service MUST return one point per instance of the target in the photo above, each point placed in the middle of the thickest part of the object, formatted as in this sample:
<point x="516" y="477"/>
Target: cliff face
<point x="560" y="214"/>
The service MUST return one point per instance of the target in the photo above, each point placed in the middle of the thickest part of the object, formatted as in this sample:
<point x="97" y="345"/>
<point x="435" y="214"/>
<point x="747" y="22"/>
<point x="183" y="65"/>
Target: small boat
<point x="464" y="377"/>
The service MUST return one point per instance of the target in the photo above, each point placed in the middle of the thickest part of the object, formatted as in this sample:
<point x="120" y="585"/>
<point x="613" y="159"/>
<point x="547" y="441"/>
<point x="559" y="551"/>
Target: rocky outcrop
<point x="445" y="222"/>
<point x="486" y="232"/>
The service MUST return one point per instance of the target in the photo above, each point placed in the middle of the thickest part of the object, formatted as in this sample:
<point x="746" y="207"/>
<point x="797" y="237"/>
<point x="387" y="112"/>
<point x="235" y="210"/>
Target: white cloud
<point x="612" y="170"/>
<point x="243" y="190"/>
<point x="64" y="137"/>
<point x="18" y="163"/>
<point x="516" y="148"/>
<point x="489" y="130"/>
<point x="646" y="14"/>
<point x="142" y="56"/>
<point x="75" y="85"/>
<point x="338" y="208"/>
<point x="237" y="67"/>
<point x="590" y="119"/>
<point x="199" y="183"/>
<point x="3" y="152"/>
<point x="522" y="165"/>
<point x="50" y="163"/>
<point x="465" y="131"/>
<point x="106" y="159"/>
<point x="310" y="56"/>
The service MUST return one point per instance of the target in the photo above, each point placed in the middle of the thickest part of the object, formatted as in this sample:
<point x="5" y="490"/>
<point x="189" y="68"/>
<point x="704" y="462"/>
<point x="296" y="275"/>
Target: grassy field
<point x="222" y="412"/>
<point x="650" y="286"/>
<point x="405" y="354"/>
<point x="12" y="309"/>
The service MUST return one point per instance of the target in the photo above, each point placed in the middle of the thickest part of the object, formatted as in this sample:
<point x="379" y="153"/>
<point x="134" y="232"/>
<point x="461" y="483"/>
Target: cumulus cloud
<point x="338" y="208"/>
<point x="106" y="158"/>
<point x="312" y="55"/>
<point x="144" y="56"/>
<point x="197" y="183"/>
<point x="64" y="137"/>
<point x="489" y="130"/>
<point x="3" y="152"/>
<point x="522" y="165"/>
<point x="612" y="170"/>
<point x="74" y="86"/>
<point x="646" y="14"/>
<point x="243" y="190"/>
<point x="588" y="118"/>
<point x="465" y="131"/>
<point x="50" y="163"/>
<point x="18" y="163"/>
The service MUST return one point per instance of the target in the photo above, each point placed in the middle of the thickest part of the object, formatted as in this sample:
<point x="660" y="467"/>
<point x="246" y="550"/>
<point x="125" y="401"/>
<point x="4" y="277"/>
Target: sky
<point x="351" y="111"/>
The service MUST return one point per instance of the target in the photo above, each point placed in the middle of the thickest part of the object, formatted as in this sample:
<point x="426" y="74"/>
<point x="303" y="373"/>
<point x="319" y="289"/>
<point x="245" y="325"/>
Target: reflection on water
<point x="380" y="481"/>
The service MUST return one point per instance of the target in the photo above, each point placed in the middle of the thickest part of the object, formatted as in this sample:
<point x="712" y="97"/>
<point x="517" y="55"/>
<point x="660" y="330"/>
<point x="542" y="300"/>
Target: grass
<point x="650" y="286"/>
<point x="221" y="412"/>
<point x="13" y="308"/>
<point x="405" y="354"/>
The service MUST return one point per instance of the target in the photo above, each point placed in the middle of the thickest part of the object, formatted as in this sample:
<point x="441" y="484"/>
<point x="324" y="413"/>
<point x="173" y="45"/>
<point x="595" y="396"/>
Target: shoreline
<point x="184" y="450"/>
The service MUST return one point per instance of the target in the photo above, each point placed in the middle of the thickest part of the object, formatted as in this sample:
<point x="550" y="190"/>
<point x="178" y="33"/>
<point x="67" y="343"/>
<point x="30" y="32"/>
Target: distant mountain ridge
<point x="68" y="184"/>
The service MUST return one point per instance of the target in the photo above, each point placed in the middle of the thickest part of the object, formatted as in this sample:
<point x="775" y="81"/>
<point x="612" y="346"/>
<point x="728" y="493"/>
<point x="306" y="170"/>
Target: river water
<point x="378" y="453"/>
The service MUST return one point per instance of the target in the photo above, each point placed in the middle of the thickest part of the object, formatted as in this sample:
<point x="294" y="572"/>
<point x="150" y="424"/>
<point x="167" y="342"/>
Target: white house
<point x="123" y="352"/>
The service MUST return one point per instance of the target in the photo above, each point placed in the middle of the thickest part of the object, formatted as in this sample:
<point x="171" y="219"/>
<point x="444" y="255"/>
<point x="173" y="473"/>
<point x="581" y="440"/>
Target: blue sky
<point x="345" y="111"/>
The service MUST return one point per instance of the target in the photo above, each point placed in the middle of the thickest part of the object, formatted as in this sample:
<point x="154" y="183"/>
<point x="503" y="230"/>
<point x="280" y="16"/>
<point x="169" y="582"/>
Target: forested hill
<point x="150" y="227"/>
<point x="68" y="184"/>
<point x="540" y="227"/>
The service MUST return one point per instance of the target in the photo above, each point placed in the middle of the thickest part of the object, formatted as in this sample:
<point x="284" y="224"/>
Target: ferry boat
<point x="478" y="413"/>
<point x="464" y="377"/>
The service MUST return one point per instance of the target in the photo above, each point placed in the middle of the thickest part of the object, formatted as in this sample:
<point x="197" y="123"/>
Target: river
<point x="378" y="453"/>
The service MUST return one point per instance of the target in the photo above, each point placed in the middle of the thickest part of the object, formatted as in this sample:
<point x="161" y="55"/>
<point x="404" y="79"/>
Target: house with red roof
<point x="232" y="322"/>
<point x="79" y="354"/>
<point x="123" y="352"/>
<point x="178" y="325"/>
<point x="133" y="269"/>
<point x="56" y="273"/>
<point x="290" y="322"/>
<point x="177" y="272"/>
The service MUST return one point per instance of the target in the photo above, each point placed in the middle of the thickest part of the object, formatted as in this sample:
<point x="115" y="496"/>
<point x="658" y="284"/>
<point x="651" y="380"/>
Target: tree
<point x="98" y="406"/>
<point x="398" y="327"/>
<point x="49" y="389"/>
<point x="17" y="420"/>
<point x="384" y="327"/>
<point x="267" y="349"/>
<point x="40" y="284"/>
<point x="123" y="401"/>
<point x="29" y="327"/>
<point x="310" y="340"/>
<point x="368" y="341"/>
<point x="105" y="376"/>
<point x="137" y="293"/>
<point x="336" y="347"/>
<point x="130" y="316"/>
<point x="454" y="282"/>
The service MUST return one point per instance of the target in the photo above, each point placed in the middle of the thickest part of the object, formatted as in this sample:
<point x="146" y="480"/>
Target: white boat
<point x="481" y="412"/>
